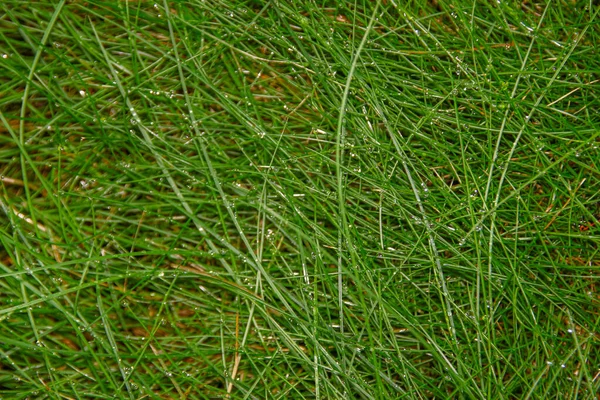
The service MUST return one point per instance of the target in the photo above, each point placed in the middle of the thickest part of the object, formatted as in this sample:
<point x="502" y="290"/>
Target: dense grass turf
<point x="290" y="199"/>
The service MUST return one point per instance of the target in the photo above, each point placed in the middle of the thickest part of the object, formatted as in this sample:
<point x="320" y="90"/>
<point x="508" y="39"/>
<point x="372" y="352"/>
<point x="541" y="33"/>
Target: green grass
<point x="299" y="199"/>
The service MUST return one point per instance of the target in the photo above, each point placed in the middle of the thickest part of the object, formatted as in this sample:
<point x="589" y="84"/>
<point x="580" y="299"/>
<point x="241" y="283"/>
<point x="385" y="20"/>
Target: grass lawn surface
<point x="299" y="199"/>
